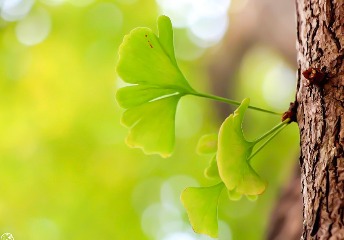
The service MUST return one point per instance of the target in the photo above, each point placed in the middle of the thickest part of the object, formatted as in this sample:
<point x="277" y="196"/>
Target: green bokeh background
<point x="65" y="171"/>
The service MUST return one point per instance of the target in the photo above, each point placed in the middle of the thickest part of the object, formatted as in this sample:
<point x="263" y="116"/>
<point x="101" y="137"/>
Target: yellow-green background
<point x="65" y="171"/>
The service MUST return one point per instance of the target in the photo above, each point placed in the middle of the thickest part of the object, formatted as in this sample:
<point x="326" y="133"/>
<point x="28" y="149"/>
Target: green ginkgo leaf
<point x="212" y="170"/>
<point x="233" y="154"/>
<point x="148" y="63"/>
<point x="207" y="144"/>
<point x="201" y="206"/>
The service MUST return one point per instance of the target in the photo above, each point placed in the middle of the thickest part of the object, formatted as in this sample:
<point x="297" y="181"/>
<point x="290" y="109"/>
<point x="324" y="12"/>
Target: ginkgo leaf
<point x="212" y="170"/>
<point x="152" y="126"/>
<point x="233" y="153"/>
<point x="201" y="206"/>
<point x="148" y="63"/>
<point x="145" y="58"/>
<point x="207" y="144"/>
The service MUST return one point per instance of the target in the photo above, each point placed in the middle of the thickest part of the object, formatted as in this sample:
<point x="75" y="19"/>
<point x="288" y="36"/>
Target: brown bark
<point x="320" y="116"/>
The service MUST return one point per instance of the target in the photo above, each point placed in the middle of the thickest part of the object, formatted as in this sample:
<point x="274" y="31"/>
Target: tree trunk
<point x="320" y="116"/>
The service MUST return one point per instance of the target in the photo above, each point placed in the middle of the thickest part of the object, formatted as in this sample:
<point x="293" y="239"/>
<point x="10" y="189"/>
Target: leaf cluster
<point x="156" y="84"/>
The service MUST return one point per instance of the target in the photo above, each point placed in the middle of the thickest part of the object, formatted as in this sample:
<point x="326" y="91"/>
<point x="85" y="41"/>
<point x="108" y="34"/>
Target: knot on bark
<point x="314" y="76"/>
<point x="291" y="113"/>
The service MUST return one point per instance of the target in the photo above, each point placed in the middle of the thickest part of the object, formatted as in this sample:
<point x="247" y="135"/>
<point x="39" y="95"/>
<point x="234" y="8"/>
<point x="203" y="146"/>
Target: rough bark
<point x="320" y="116"/>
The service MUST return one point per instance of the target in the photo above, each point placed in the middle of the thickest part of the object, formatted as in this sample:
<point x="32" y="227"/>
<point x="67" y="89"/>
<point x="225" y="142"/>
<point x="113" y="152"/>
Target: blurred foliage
<point x="65" y="170"/>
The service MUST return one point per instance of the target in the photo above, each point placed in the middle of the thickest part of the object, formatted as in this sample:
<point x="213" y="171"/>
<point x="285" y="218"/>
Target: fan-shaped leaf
<point x="233" y="153"/>
<point x="201" y="206"/>
<point x="148" y="62"/>
<point x="207" y="144"/>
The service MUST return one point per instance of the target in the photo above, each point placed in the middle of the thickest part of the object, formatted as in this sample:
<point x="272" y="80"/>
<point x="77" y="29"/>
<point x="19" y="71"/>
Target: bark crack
<point x="316" y="224"/>
<point x="331" y="17"/>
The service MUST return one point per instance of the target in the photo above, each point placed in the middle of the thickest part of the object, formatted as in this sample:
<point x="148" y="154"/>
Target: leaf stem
<point x="272" y="130"/>
<point x="230" y="101"/>
<point x="281" y="127"/>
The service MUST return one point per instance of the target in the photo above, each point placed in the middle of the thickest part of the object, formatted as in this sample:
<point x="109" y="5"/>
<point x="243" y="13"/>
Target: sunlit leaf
<point x="148" y="62"/>
<point x="152" y="126"/>
<point x="212" y="170"/>
<point x="233" y="153"/>
<point x="201" y="205"/>
<point x="207" y="144"/>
